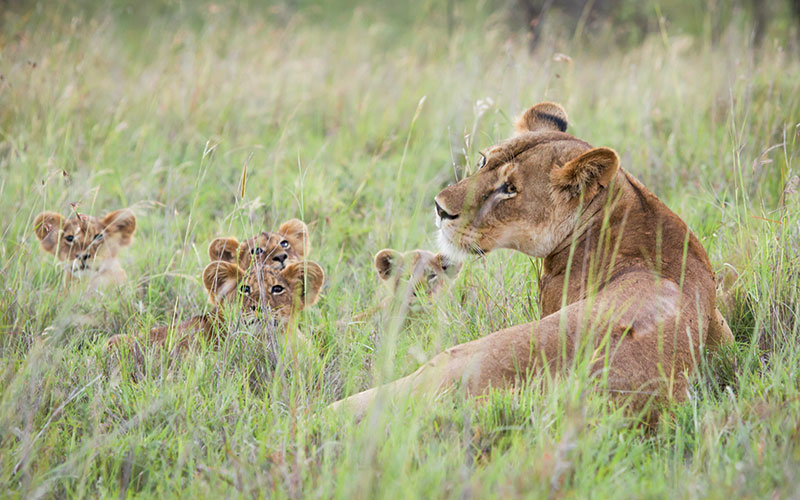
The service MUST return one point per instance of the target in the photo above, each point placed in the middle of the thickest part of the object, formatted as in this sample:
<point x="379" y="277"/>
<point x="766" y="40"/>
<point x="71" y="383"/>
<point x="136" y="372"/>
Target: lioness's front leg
<point x="491" y="361"/>
<point x="636" y="342"/>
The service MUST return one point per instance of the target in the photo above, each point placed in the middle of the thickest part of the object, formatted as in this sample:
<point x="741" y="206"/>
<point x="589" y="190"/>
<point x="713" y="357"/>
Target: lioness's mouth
<point x="455" y="246"/>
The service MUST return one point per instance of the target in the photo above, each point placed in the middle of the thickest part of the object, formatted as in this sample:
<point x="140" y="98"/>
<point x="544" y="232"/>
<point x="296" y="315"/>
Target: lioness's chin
<point x="454" y="251"/>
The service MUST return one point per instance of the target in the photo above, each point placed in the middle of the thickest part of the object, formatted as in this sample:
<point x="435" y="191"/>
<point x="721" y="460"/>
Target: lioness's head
<point x="84" y="243"/>
<point x="420" y="270"/>
<point x="261" y="289"/>
<point x="289" y="244"/>
<point x="527" y="191"/>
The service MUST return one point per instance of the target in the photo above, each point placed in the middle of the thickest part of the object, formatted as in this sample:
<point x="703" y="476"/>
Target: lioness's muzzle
<point x="442" y="213"/>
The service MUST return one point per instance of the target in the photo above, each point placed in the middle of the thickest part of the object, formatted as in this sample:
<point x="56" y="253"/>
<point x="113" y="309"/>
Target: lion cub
<point x="263" y="293"/>
<point x="415" y="274"/>
<point x="423" y="270"/>
<point x="290" y="243"/>
<point x="87" y="245"/>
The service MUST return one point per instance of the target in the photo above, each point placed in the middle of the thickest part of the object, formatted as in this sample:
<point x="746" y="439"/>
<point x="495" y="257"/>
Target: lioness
<point x="623" y="279"/>
<point x="290" y="243"/>
<point x="262" y="291"/>
<point x="87" y="245"/>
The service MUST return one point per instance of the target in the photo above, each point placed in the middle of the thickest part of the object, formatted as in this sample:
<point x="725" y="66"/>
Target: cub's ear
<point x="450" y="268"/>
<point x="47" y="227"/>
<point x="305" y="279"/>
<point x="122" y="224"/>
<point x="220" y="278"/>
<point x="297" y="232"/>
<point x="387" y="262"/>
<point x="245" y="253"/>
<point x="588" y="173"/>
<point x="225" y="249"/>
<point x="543" y="116"/>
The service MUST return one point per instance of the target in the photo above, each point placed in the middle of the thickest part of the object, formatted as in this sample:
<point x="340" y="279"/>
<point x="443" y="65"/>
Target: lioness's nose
<point x="442" y="212"/>
<point x="83" y="256"/>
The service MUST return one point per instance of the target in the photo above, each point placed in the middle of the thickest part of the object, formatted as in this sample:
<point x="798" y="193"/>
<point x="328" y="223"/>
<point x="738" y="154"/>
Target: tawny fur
<point x="290" y="243"/>
<point x="417" y="270"/>
<point x="407" y="275"/>
<point x="86" y="245"/>
<point x="261" y="291"/>
<point x="623" y="276"/>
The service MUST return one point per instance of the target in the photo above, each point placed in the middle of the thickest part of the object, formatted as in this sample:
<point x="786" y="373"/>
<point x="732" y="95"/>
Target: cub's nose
<point x="83" y="256"/>
<point x="280" y="259"/>
<point x="443" y="214"/>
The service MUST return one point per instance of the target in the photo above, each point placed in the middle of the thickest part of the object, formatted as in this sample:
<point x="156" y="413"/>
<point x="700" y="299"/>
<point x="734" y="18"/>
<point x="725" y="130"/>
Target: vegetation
<point x="352" y="119"/>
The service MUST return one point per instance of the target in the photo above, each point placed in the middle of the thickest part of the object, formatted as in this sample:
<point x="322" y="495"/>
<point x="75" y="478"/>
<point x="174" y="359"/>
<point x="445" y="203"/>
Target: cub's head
<point x="85" y="242"/>
<point x="261" y="289"/>
<point x="527" y="191"/>
<point x="276" y="250"/>
<point x="420" y="270"/>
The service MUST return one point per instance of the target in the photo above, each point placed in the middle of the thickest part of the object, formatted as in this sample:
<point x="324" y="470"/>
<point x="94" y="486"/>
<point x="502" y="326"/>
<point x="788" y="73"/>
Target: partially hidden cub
<point x="87" y="245"/>
<point x="415" y="273"/>
<point x="410" y="280"/>
<point x="290" y="243"/>
<point x="262" y="292"/>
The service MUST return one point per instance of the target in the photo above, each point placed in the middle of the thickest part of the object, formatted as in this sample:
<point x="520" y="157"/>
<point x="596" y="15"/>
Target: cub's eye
<point x="259" y="251"/>
<point x="482" y="161"/>
<point x="277" y="289"/>
<point x="245" y="289"/>
<point x="98" y="236"/>
<point x="507" y="188"/>
<point x="285" y="244"/>
<point x="69" y="238"/>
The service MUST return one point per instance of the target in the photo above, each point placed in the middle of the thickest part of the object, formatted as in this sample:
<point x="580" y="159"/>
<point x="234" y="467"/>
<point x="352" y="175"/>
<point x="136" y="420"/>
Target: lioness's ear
<point x="298" y="231"/>
<point x="305" y="279"/>
<point x="47" y="226"/>
<point x="120" y="223"/>
<point x="588" y="173"/>
<point x="450" y="268"/>
<point x="220" y="278"/>
<point x="543" y="116"/>
<point x="387" y="262"/>
<point x="226" y="249"/>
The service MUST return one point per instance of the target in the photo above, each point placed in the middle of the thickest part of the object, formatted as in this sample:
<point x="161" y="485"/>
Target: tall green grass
<point x="353" y="123"/>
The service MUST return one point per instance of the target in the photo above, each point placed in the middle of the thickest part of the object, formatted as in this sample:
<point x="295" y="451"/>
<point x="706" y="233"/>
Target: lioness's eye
<point x="245" y="289"/>
<point x="285" y="244"/>
<point x="482" y="161"/>
<point x="507" y="188"/>
<point x="98" y="236"/>
<point x="69" y="238"/>
<point x="277" y="289"/>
